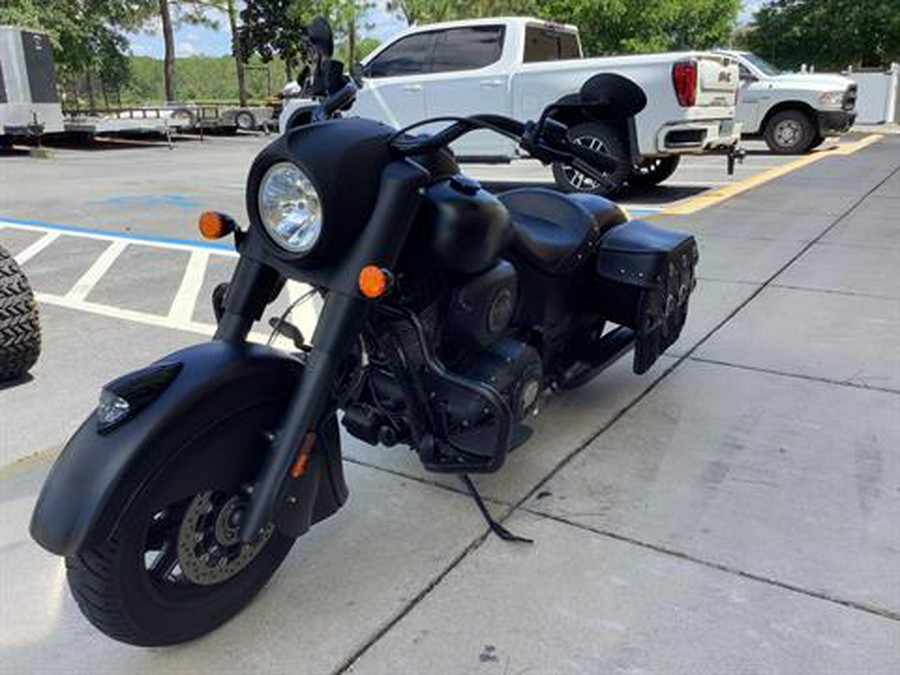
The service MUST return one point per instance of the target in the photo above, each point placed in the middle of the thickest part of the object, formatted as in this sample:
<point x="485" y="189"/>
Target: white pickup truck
<point x="518" y="66"/>
<point x="793" y="112"/>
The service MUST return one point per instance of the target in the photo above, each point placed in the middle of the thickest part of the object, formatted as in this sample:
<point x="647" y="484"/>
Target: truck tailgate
<point x="717" y="81"/>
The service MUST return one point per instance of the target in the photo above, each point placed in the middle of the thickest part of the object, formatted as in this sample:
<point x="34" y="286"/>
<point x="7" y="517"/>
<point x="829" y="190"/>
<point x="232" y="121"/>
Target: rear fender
<point x="98" y="477"/>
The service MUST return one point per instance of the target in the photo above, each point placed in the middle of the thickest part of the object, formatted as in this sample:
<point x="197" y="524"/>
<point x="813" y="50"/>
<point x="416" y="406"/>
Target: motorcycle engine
<point x="511" y="367"/>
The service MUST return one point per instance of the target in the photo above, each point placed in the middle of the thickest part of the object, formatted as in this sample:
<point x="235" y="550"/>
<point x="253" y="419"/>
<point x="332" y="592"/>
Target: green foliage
<point x="633" y="26"/>
<point x="829" y="34"/>
<point x="277" y="27"/>
<point x="87" y="35"/>
<point x="432" y="11"/>
<point x="200" y="78"/>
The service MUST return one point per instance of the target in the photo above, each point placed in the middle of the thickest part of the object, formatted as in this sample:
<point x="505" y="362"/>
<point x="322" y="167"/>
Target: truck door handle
<point x="412" y="87"/>
<point x="491" y="83"/>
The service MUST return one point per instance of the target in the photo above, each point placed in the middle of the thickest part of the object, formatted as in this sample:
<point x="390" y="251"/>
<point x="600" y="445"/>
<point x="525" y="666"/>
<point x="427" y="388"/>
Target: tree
<point x="632" y="26"/>
<point x="236" y="52"/>
<point x="172" y="13"/>
<point x="432" y="11"/>
<point x="272" y="27"/>
<point x="87" y="35"/>
<point x="827" y="33"/>
<point x="278" y="27"/>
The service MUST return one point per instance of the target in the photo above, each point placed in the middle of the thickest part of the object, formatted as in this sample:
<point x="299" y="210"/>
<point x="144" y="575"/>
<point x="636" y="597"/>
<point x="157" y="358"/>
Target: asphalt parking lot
<point x="735" y="510"/>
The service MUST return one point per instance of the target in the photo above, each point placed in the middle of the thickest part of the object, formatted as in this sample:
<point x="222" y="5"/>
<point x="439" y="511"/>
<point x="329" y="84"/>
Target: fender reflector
<point x="373" y="281"/>
<point x="303" y="456"/>
<point x="214" y="225"/>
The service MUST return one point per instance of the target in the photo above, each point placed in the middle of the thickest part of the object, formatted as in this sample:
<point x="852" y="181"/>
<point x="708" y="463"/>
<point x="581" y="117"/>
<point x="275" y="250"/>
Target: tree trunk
<point x="236" y="50"/>
<point x="89" y="83"/>
<point x="169" y="39"/>
<point x="351" y="43"/>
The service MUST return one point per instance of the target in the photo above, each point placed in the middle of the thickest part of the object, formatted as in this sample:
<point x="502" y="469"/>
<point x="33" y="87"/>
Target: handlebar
<point x="547" y="141"/>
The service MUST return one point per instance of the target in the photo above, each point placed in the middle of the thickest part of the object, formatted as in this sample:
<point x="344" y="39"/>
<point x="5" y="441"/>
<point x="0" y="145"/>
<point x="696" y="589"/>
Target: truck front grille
<point x="850" y="98"/>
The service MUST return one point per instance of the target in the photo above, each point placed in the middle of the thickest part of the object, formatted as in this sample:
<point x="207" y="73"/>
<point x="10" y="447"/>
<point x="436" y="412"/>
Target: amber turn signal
<point x="373" y="281"/>
<point x="215" y="225"/>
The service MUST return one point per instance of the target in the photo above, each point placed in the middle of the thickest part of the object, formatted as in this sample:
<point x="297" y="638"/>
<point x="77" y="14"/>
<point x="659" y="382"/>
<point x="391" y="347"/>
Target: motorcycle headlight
<point x="290" y="208"/>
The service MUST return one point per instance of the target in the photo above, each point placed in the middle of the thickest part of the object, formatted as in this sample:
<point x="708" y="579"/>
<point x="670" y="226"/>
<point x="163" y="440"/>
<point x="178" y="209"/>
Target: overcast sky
<point x="193" y="40"/>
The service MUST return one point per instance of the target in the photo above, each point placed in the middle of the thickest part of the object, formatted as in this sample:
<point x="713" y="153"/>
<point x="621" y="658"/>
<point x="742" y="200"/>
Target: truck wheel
<point x="789" y="132"/>
<point x="20" y="335"/>
<point x="597" y="137"/>
<point x="653" y="171"/>
<point x="246" y="121"/>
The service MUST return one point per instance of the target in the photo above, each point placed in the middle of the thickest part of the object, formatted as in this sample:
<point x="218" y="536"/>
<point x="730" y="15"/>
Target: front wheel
<point x="177" y="576"/>
<point x="653" y="171"/>
<point x="600" y="137"/>
<point x="789" y="132"/>
<point x="175" y="567"/>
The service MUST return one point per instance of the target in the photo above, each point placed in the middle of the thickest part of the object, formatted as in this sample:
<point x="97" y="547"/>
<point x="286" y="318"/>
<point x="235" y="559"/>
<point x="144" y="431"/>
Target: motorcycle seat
<point x="555" y="232"/>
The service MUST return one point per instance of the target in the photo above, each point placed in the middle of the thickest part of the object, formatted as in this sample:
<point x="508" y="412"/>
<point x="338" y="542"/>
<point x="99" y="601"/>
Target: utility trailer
<point x="29" y="100"/>
<point x="231" y="118"/>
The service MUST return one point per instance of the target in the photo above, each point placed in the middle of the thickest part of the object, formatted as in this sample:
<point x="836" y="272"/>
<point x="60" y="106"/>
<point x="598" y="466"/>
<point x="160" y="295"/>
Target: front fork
<point x="340" y="322"/>
<point x="341" y="319"/>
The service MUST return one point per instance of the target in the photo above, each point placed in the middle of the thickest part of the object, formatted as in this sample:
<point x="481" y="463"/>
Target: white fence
<point x="877" y="100"/>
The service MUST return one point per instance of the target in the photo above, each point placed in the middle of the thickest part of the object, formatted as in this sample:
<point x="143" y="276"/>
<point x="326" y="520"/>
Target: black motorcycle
<point x="448" y="312"/>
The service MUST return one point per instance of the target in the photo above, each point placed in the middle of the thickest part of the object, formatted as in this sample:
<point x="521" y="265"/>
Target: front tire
<point x="790" y="132"/>
<point x="653" y="171"/>
<point x="119" y="595"/>
<point x="174" y="568"/>
<point x="20" y="333"/>
<point x="596" y="136"/>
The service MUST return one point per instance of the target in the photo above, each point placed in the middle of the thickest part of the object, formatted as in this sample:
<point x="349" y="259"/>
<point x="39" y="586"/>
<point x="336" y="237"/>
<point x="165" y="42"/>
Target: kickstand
<point x="496" y="527"/>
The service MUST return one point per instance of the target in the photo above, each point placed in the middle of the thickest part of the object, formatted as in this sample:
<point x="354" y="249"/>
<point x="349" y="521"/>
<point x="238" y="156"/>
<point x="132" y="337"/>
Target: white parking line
<point x="29" y="252"/>
<point x="96" y="271"/>
<point x="186" y="298"/>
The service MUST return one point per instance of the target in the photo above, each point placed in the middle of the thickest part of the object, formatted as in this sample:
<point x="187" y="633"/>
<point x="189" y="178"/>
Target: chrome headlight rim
<point x="307" y="206"/>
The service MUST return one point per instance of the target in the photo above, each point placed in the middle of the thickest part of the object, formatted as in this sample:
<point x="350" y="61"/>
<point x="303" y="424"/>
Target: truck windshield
<point x="761" y="64"/>
<point x="544" y="44"/>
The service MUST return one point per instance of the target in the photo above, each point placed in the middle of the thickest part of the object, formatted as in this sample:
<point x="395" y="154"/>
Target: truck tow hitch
<point x="735" y="154"/>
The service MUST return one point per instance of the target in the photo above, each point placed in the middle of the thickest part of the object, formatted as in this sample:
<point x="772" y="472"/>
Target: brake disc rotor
<point x="209" y="542"/>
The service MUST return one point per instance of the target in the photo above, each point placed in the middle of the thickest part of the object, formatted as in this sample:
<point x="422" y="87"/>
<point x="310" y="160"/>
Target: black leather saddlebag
<point x="646" y="277"/>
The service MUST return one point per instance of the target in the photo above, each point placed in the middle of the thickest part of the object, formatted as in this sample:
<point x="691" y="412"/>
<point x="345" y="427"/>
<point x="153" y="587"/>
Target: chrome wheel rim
<point x="576" y="178"/>
<point x="788" y="133"/>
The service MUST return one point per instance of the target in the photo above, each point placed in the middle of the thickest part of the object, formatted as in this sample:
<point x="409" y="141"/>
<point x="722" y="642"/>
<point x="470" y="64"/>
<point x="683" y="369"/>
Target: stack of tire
<point x="20" y="334"/>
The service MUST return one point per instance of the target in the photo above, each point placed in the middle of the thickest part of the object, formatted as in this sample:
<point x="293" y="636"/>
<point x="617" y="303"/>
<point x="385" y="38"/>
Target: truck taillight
<point x="684" y="79"/>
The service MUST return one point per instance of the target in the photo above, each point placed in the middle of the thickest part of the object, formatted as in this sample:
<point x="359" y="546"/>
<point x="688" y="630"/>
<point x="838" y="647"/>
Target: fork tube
<point x="249" y="292"/>
<point x="339" y="324"/>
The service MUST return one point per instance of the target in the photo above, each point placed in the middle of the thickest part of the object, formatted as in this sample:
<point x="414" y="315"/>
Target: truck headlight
<point x="290" y="208"/>
<point x="831" y="99"/>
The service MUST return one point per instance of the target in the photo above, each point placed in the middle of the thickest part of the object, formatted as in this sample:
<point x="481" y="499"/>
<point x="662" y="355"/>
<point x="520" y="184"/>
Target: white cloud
<point x="186" y="48"/>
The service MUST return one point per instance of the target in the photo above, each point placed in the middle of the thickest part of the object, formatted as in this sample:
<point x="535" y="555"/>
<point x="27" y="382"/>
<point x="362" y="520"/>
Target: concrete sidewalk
<point x="736" y="510"/>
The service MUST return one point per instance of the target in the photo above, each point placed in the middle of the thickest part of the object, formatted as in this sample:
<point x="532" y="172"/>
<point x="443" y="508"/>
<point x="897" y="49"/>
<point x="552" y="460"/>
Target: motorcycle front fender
<point x="100" y="473"/>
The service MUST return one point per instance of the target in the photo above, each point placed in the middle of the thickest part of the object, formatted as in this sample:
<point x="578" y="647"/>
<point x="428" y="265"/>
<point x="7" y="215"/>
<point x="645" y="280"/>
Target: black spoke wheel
<point x="653" y="171"/>
<point x="601" y="137"/>
<point x="174" y="578"/>
<point x="175" y="568"/>
<point x="20" y="334"/>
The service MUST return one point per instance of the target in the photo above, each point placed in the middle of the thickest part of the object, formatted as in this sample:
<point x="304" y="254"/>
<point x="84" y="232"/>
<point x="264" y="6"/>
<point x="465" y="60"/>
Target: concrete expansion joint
<point x="832" y="291"/>
<point x="797" y="376"/>
<point x="820" y="595"/>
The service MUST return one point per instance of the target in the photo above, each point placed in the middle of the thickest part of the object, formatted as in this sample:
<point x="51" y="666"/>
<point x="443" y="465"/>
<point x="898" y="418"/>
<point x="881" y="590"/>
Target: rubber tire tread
<point x="20" y="333"/>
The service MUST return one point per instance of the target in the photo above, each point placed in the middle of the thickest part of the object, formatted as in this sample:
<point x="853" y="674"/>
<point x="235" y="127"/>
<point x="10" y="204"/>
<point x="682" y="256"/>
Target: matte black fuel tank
<point x="462" y="226"/>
